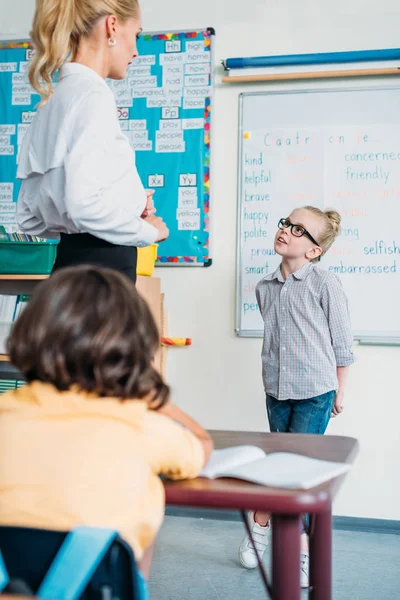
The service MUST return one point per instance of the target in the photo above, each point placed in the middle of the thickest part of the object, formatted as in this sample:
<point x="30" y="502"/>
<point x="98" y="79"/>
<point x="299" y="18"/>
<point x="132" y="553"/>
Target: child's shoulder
<point x="325" y="278"/>
<point x="275" y="275"/>
<point x="16" y="399"/>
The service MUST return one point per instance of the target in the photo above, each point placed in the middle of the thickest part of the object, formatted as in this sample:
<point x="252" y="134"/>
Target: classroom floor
<point x="196" y="559"/>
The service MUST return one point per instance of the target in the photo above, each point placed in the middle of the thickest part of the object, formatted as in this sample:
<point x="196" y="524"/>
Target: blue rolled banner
<point x="313" y="59"/>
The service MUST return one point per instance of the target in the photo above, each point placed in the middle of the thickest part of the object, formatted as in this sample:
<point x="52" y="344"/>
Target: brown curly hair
<point x="88" y="327"/>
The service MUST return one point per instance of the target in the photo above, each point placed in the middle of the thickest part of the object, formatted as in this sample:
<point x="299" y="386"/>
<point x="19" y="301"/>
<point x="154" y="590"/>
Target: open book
<point x="279" y="469"/>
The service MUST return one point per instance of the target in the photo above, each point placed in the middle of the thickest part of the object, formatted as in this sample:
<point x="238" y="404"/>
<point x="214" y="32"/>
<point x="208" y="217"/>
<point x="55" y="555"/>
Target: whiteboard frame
<point x="377" y="339"/>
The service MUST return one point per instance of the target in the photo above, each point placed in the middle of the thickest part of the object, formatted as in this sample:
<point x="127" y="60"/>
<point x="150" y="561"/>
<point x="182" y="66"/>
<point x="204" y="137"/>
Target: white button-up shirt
<point x="78" y="169"/>
<point x="307" y="332"/>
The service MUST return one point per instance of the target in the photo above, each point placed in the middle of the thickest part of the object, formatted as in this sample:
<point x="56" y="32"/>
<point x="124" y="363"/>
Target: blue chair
<point x="84" y="564"/>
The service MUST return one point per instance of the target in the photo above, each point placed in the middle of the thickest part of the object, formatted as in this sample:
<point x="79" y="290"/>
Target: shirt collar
<point x="303" y="271"/>
<point x="299" y="274"/>
<point x="70" y="68"/>
<point x="276" y="275"/>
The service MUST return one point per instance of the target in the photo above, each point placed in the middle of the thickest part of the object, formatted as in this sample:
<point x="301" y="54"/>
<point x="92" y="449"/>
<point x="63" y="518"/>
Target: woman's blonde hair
<point x="331" y="230"/>
<point x="58" y="26"/>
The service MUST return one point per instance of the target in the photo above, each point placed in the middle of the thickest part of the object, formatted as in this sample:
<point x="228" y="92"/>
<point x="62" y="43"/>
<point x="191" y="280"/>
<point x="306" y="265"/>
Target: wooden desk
<point x="286" y="505"/>
<point x="13" y="597"/>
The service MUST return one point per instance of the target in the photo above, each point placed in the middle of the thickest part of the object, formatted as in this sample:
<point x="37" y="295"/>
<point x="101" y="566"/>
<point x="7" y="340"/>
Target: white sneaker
<point x="304" y="567"/>
<point x="247" y="556"/>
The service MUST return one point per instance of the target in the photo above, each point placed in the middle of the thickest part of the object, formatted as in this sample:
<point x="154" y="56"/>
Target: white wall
<point x="218" y="379"/>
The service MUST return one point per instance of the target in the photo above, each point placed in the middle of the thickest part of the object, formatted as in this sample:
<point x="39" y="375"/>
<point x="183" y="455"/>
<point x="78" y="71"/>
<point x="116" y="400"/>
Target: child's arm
<point x="342" y="373"/>
<point x="258" y="297"/>
<point x="174" y="444"/>
<point x="176" y="414"/>
<point x="335" y="306"/>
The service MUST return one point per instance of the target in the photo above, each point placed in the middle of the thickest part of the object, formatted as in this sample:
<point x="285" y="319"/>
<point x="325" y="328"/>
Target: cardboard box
<point x="150" y="289"/>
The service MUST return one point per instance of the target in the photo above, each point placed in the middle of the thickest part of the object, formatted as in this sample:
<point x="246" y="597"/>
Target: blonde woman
<point x="79" y="180"/>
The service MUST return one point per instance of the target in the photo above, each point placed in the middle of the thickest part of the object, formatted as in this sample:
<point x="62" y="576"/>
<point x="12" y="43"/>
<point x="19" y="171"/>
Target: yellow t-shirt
<point x="69" y="459"/>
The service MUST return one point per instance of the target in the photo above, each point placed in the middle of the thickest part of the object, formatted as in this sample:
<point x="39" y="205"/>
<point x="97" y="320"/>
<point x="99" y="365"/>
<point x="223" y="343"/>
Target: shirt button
<point x="284" y="349"/>
<point x="284" y="368"/>
<point x="283" y="328"/>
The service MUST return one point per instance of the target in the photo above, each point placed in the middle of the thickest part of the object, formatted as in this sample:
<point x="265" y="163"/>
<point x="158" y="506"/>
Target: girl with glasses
<point x="307" y="348"/>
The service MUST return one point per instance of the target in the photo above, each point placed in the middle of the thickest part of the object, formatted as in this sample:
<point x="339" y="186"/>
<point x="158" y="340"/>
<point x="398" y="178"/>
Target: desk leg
<point x="321" y="557"/>
<point x="286" y="557"/>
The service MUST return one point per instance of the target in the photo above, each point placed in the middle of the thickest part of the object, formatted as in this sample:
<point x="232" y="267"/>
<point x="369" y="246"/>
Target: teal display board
<point x="164" y="108"/>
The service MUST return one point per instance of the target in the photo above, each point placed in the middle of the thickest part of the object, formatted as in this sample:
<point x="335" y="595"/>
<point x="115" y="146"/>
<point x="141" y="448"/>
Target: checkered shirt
<point x="307" y="332"/>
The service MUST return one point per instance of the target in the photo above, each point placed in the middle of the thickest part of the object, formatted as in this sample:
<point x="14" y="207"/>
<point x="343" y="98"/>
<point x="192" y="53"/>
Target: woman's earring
<point x="111" y="42"/>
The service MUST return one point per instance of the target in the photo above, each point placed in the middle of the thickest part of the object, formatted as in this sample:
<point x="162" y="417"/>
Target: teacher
<point x="79" y="179"/>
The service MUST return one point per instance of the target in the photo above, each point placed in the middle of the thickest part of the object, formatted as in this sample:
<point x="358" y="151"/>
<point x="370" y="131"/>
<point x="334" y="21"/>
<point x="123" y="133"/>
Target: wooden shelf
<point x="7" y="370"/>
<point x="23" y="277"/>
<point x="309" y="75"/>
<point x="15" y="284"/>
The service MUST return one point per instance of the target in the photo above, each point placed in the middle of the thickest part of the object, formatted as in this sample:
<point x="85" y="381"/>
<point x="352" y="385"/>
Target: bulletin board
<point x="164" y="107"/>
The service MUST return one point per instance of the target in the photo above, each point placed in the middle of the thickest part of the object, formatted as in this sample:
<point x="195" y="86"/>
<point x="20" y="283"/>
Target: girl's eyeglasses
<point x="297" y="230"/>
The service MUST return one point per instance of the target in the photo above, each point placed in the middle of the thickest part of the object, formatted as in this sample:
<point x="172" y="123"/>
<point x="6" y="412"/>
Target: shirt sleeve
<point x="172" y="449"/>
<point x="103" y="192"/>
<point x="258" y="297"/>
<point x="29" y="223"/>
<point x="335" y="306"/>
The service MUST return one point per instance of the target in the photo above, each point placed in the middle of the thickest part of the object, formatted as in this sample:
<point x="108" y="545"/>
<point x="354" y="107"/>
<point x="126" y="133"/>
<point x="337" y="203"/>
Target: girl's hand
<point x="338" y="404"/>
<point x="149" y="210"/>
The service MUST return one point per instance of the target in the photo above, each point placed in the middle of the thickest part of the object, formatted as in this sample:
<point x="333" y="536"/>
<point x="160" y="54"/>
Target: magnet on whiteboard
<point x="247" y="135"/>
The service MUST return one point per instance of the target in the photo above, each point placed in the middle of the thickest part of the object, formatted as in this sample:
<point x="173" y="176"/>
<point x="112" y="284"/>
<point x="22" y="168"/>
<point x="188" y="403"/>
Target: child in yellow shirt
<point x="84" y="442"/>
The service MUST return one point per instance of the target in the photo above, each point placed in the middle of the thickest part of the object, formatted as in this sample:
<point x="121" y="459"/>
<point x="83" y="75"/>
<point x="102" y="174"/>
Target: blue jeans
<point x="300" y="416"/>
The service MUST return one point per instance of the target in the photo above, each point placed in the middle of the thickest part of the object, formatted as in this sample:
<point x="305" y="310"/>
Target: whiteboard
<point x="336" y="148"/>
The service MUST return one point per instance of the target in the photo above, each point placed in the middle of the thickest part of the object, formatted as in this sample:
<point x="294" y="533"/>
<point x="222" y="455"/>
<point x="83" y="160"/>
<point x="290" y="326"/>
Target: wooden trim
<point x="23" y="277"/>
<point x="309" y="75"/>
<point x="4" y="358"/>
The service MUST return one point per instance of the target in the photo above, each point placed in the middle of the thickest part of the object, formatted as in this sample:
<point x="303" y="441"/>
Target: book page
<point x="230" y="458"/>
<point x="5" y="330"/>
<point x="286" y="470"/>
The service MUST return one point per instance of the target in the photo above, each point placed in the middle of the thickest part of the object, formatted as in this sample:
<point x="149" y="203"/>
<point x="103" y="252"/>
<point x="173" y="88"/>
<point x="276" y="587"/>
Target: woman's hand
<point x="149" y="210"/>
<point x="158" y="223"/>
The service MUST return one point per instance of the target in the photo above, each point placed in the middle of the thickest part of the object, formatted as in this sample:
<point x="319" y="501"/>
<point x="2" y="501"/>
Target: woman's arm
<point x="104" y="195"/>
